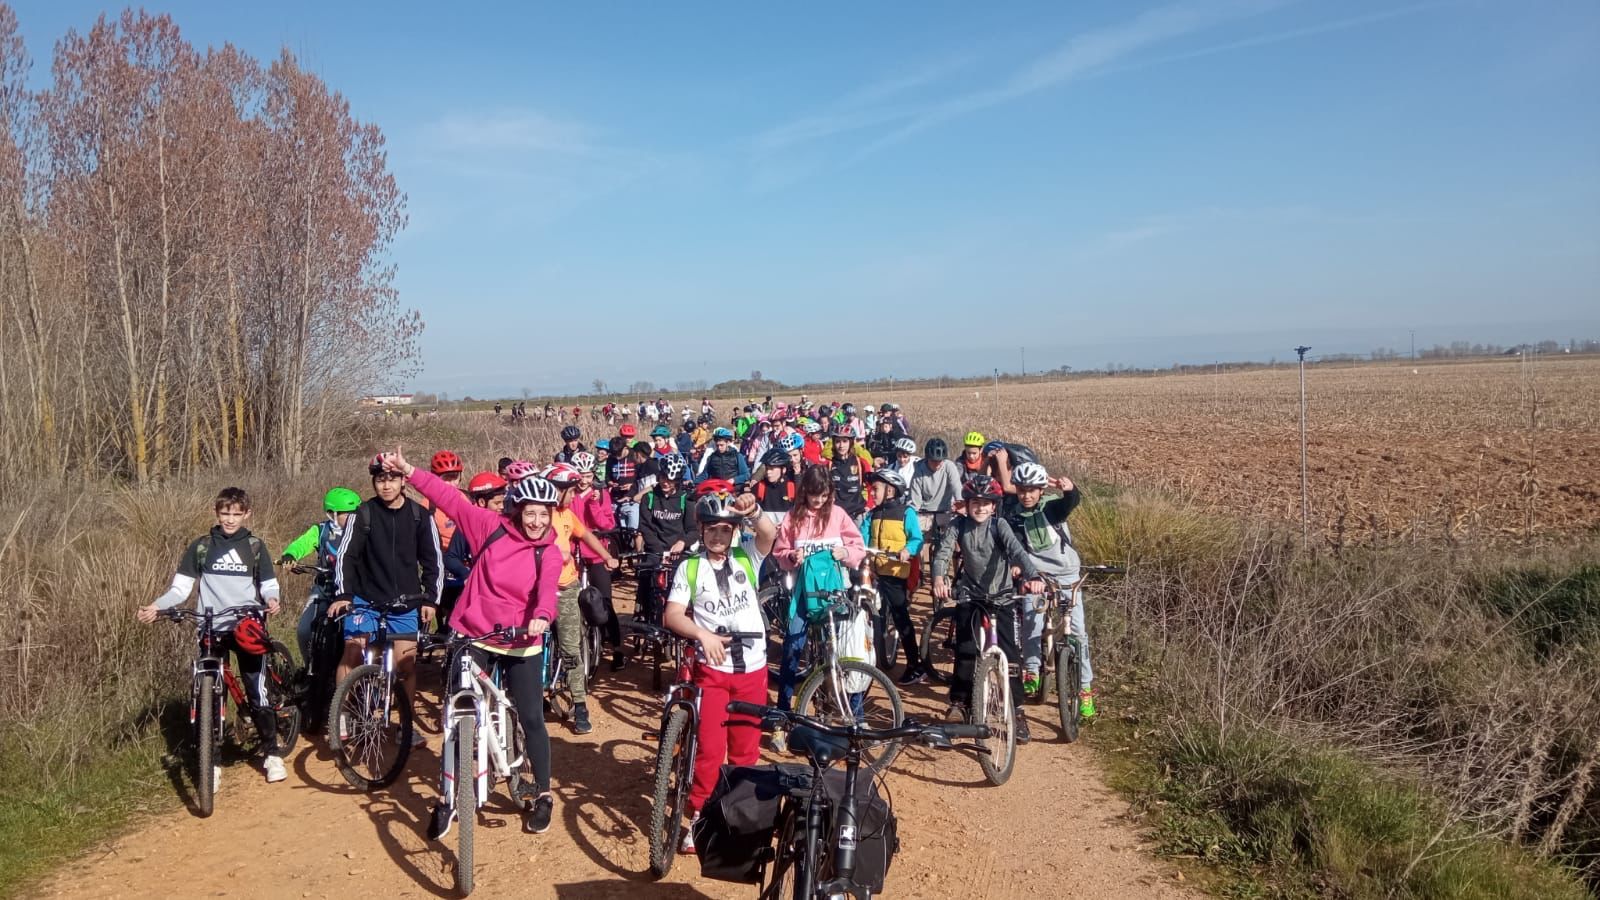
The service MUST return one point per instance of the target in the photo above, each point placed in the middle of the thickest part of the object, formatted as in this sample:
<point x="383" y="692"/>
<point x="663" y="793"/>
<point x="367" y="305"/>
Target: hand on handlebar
<point x="337" y="607"/>
<point x="146" y="614"/>
<point x="538" y="626"/>
<point x="715" y="646"/>
<point x="1033" y="586"/>
<point x="272" y="606"/>
<point x="941" y="588"/>
<point x="427" y="613"/>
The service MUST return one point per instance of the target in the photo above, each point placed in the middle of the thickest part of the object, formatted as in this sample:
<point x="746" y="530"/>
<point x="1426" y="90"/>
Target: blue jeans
<point x="794" y="644"/>
<point x="628" y="514"/>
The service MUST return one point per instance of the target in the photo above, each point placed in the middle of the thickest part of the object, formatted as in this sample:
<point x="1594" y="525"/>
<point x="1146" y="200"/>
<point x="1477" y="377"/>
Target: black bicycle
<point x="370" y="719"/>
<point x="820" y="831"/>
<point x="214" y="688"/>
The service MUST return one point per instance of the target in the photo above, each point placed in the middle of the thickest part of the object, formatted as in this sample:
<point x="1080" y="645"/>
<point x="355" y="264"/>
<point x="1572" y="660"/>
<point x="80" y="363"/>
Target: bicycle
<point x="839" y="690"/>
<point x="811" y="822"/>
<point x="660" y="585"/>
<point x="991" y="704"/>
<point x="370" y="705"/>
<point x="678" y="740"/>
<point x="213" y="686"/>
<point x="313" y="680"/>
<point x="1061" y="655"/>
<point x="478" y="706"/>
<point x="887" y="635"/>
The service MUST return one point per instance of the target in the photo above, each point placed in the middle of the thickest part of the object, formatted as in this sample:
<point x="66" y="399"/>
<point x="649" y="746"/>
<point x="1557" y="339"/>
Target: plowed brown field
<point x="1489" y="450"/>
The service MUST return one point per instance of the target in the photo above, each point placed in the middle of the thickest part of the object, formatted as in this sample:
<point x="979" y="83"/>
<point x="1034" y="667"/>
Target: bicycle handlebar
<point x="178" y="614"/>
<point x="771" y="717"/>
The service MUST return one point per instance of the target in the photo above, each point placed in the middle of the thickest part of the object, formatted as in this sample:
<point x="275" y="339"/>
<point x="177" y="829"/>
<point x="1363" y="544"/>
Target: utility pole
<point x="1413" y="345"/>
<point x="1023" y="352"/>
<point x="1305" y="491"/>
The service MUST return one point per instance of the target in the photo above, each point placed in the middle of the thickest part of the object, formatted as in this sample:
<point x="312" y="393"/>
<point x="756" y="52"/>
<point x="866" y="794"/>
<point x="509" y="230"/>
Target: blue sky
<point x="844" y="190"/>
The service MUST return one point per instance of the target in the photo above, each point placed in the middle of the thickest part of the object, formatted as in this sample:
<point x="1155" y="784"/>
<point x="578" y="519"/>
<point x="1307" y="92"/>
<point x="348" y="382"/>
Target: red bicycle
<point x="215" y="688"/>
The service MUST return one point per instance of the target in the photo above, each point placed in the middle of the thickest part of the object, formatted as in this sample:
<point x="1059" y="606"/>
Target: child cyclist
<point x="487" y="491"/>
<point x="717" y="589"/>
<point x="1042" y="526"/>
<point x="513" y="583"/>
<point x="592" y="504"/>
<point x="571" y="530"/>
<point x="233" y="568"/>
<point x="893" y="528"/>
<point x="323" y="540"/>
<point x="816" y="537"/>
<point x="989" y="551"/>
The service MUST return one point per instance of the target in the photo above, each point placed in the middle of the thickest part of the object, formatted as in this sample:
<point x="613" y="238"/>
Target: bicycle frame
<point x="479" y="697"/>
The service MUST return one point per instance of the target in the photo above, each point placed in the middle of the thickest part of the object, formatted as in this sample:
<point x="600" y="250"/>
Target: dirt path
<point x="1052" y="830"/>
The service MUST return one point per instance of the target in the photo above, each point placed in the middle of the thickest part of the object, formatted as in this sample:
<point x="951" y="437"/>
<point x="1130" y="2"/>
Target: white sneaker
<point x="686" y="846"/>
<point x="275" y="769"/>
<point x="216" y="779"/>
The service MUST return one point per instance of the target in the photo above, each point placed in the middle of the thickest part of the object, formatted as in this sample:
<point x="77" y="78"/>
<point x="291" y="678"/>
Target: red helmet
<point x="251" y="637"/>
<point x="714" y="486"/>
<point x="982" y="487"/>
<point x="445" y="462"/>
<point x="627" y="430"/>
<point x="486" y="483"/>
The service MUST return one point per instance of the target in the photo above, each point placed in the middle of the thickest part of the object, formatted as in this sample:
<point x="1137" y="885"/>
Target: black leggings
<point x="524" y="677"/>
<point x="896" y="608"/>
<point x="600" y="580"/>
<point x="253" y="677"/>
<point x="969" y="624"/>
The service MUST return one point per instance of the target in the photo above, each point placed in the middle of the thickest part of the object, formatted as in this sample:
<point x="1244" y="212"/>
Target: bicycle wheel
<point x="370" y="726"/>
<point x="465" y="800"/>
<point x="1069" y="680"/>
<point x="205" y="733"/>
<point x="991" y="707"/>
<point x="891" y="639"/>
<point x="785" y="877"/>
<point x="594" y="646"/>
<point x="557" y="693"/>
<point x="939" y="644"/>
<point x="281" y="698"/>
<point x="674" y="769"/>
<point x="879" y="705"/>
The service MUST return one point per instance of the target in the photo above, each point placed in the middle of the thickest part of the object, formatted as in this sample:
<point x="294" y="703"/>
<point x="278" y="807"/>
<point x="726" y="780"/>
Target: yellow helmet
<point x="974" y="439"/>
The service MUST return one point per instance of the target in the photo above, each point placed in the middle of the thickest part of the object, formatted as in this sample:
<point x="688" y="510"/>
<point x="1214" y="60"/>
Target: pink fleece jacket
<point x="594" y="510"/>
<point x="797" y="530"/>
<point x="506" y="587"/>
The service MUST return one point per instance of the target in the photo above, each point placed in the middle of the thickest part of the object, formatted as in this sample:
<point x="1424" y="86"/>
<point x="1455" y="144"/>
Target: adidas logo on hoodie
<point x="229" y="562"/>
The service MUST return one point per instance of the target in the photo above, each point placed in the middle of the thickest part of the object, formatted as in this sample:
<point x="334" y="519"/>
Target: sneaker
<point x="216" y="779"/>
<point x="1086" y="704"/>
<point x="913" y="675"/>
<point x="1023" y="735"/>
<point x="537" y="819"/>
<point x="275" y="769"/>
<point x="955" y="712"/>
<point x="1030" y="683"/>
<point x="780" y="741"/>
<point x="686" y="846"/>
<point x="439" y="821"/>
<point x="580" y="719"/>
<point x="618" y="661"/>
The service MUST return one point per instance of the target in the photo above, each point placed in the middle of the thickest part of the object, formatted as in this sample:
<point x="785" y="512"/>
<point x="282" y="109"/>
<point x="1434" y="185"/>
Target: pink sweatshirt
<point x="505" y="587"/>
<point x="838" y="530"/>
<point x="594" y="510"/>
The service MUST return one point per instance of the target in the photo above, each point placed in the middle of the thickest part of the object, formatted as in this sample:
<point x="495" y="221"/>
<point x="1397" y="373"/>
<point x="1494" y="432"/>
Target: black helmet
<point x="936" y="449"/>
<point x="571" y="433"/>
<point x="775" y="459"/>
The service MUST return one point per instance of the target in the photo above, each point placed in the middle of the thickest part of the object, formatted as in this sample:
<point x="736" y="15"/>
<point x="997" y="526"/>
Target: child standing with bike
<point x="717" y="589"/>
<point x="989" y="550"/>
<point x="233" y="568"/>
<point x="517" y="563"/>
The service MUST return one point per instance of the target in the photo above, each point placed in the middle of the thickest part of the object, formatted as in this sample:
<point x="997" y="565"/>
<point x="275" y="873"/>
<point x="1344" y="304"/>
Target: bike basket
<point x="735" y="831"/>
<point x="877" y="830"/>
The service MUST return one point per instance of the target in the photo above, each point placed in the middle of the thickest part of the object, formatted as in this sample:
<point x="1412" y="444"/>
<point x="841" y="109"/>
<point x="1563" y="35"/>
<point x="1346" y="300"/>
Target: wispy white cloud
<point x="886" y="108"/>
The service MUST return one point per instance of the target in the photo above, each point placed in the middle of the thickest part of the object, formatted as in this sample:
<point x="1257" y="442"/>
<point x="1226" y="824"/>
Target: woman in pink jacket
<point x="815" y="525"/>
<point x="513" y="584"/>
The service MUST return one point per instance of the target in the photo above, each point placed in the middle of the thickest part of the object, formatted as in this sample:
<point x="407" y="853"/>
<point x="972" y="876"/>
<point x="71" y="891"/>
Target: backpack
<point x="788" y="489"/>
<point x="366" y="521"/>
<point x="1020" y="453"/>
<point x="650" y="501"/>
<point x="692" y="572"/>
<point x="202" y="550"/>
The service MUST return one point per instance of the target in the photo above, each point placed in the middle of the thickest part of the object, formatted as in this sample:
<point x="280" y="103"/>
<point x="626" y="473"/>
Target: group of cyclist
<point x="817" y="490"/>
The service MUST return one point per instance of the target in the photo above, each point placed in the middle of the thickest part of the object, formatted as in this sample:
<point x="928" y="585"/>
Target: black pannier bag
<point x="736" y="830"/>
<point x="592" y="604"/>
<point x="734" y="835"/>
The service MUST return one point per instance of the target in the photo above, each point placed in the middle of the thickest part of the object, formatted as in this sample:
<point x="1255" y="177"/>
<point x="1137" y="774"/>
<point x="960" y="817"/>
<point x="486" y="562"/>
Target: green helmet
<point x="341" y="499"/>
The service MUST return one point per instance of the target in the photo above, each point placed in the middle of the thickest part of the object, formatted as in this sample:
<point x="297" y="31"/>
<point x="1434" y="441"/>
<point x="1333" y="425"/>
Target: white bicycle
<point x="483" y="741"/>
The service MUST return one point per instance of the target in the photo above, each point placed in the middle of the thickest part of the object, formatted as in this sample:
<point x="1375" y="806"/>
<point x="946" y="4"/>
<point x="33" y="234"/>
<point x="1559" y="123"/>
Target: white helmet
<point x="532" y="489"/>
<point x="905" y="445"/>
<point x="583" y="461"/>
<point x="716" y="508"/>
<point x="672" y="466"/>
<point x="1030" y="474"/>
